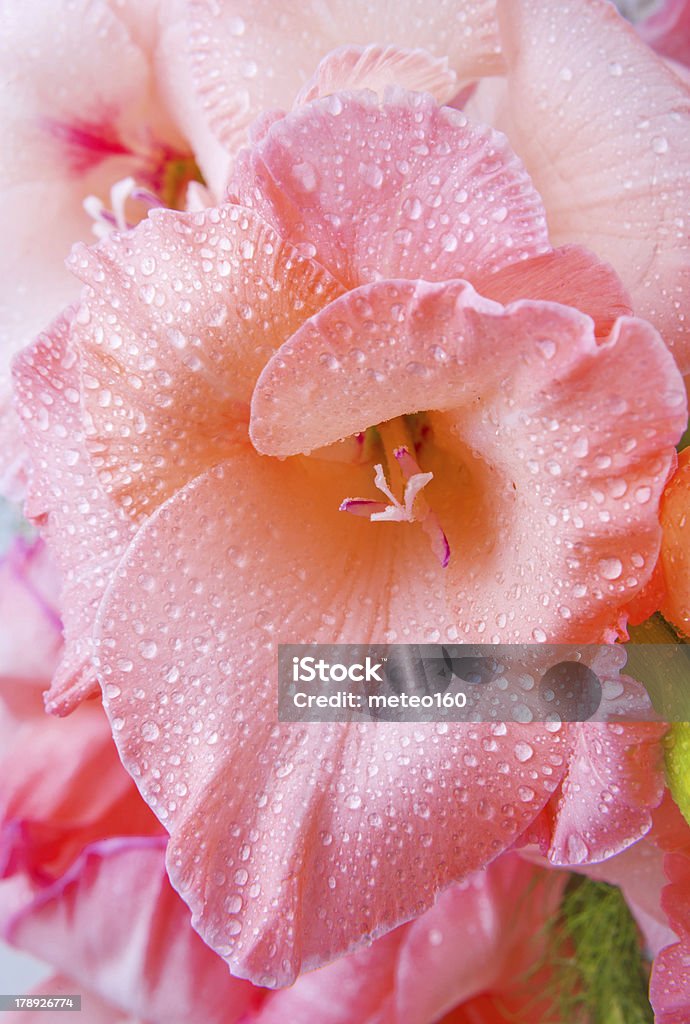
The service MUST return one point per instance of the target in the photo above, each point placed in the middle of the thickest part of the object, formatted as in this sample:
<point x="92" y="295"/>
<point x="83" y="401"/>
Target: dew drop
<point x="148" y="649"/>
<point x="523" y="752"/>
<point x="578" y="850"/>
<point x="150" y="732"/>
<point x="610" y="568"/>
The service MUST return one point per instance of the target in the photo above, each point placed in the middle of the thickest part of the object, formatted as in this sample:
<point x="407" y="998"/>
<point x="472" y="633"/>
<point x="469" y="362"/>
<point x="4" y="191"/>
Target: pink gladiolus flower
<point x="223" y="361"/>
<point x="389" y="389"/>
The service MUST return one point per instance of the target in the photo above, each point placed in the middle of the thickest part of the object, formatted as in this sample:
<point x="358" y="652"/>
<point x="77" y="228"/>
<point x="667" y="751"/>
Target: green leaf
<point x="678" y="766"/>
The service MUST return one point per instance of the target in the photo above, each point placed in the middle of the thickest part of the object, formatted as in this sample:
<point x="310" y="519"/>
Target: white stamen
<point x="106" y="220"/>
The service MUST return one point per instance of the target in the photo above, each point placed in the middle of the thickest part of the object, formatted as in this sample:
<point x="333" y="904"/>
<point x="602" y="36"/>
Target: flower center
<point x="403" y="488"/>
<point x="171" y="179"/>
<point x="115" y="219"/>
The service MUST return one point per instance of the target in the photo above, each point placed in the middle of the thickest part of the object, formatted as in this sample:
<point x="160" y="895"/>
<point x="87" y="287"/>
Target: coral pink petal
<point x="607" y="149"/>
<point x="570" y="275"/>
<point x="402" y="189"/>
<point x="311" y="836"/>
<point x="479" y="935"/>
<point x="72" y="791"/>
<point x="667" y="30"/>
<point x="86" y="532"/>
<point x="376" y="67"/>
<point x="245" y="64"/>
<point x="675" y="547"/>
<point x="577" y="506"/>
<point x="114" y="924"/>
<point x="669" y="988"/>
<point x="613" y="782"/>
<point x="219" y="293"/>
<point x="359" y="987"/>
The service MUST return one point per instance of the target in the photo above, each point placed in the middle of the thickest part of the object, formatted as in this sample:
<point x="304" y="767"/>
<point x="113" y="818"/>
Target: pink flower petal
<point x="604" y="129"/>
<point x="639" y="873"/>
<point x="579" y="505"/>
<point x="376" y="67"/>
<point x="86" y="532"/>
<point x="114" y="924"/>
<point x="175" y="82"/>
<point x="317" y="835"/>
<point x="13" y="456"/>
<point x="30" y="646"/>
<point x="63" y="140"/>
<point x="570" y="275"/>
<point x="244" y="65"/>
<point x="667" y="30"/>
<point x="69" y="792"/>
<point x="479" y="935"/>
<point x="406" y="189"/>
<point x="613" y="782"/>
<point x="669" y="988"/>
<point x="198" y="346"/>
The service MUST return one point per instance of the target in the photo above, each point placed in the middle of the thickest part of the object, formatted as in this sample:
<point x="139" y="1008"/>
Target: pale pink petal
<point x="604" y="130"/>
<point x="66" y="136"/>
<point x="639" y="873"/>
<point x="114" y="924"/>
<point x="613" y="781"/>
<point x="15" y="892"/>
<point x="13" y="455"/>
<point x="246" y="63"/>
<point x="667" y="30"/>
<point x="168" y="367"/>
<point x="570" y="275"/>
<point x="31" y="635"/>
<point x="315" y="835"/>
<point x="376" y="67"/>
<point x="403" y="189"/>
<point x="93" y="1009"/>
<point x="578" y="505"/>
<point x="175" y="84"/>
<point x="86" y="532"/>
<point x="59" y="130"/>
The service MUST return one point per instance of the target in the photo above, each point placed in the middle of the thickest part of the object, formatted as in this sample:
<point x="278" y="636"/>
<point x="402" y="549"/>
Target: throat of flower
<point x="169" y="179"/>
<point x="115" y="219"/>
<point x="409" y="504"/>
